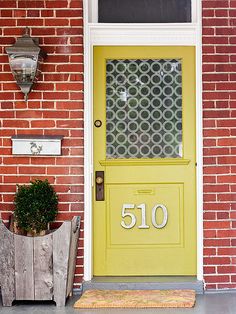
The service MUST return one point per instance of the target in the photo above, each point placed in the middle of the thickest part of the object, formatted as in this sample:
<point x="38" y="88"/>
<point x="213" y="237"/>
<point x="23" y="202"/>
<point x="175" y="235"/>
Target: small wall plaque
<point x="36" y="145"/>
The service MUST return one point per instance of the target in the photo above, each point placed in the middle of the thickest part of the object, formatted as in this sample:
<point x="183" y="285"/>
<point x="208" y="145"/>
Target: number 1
<point x="143" y="214"/>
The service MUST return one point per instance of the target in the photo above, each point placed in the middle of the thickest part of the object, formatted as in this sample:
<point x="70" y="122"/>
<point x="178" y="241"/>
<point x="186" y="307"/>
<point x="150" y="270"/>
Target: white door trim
<point x="188" y="34"/>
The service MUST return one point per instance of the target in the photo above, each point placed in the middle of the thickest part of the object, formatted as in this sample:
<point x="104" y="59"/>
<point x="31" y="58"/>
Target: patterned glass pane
<point x="144" y="108"/>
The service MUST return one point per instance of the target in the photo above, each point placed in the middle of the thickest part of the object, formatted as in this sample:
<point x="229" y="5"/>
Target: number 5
<point x="125" y="214"/>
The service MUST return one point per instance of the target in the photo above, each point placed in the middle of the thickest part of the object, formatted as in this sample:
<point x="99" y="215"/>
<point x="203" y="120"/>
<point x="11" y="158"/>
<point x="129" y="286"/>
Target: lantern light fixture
<point x="25" y="58"/>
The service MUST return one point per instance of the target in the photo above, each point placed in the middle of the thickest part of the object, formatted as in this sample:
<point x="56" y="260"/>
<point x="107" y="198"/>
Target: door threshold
<point x="145" y="283"/>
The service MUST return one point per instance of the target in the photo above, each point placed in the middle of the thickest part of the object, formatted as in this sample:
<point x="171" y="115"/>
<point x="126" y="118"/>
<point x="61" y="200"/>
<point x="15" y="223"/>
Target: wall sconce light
<point x="25" y="58"/>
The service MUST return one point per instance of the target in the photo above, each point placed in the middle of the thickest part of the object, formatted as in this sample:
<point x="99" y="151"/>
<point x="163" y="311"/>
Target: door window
<point x="144" y="108"/>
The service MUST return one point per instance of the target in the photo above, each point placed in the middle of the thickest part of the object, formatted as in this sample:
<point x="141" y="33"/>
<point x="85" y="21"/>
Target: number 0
<point x="165" y="218"/>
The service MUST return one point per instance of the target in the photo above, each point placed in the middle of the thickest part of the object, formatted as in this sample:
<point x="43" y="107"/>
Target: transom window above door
<point x="144" y="11"/>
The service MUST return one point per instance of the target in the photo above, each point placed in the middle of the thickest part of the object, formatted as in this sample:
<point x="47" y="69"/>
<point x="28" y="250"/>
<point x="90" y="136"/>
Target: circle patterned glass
<point x="144" y="108"/>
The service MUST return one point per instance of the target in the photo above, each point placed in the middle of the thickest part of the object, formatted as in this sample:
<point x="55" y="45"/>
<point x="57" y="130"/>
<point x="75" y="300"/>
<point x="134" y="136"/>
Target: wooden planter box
<point x="38" y="268"/>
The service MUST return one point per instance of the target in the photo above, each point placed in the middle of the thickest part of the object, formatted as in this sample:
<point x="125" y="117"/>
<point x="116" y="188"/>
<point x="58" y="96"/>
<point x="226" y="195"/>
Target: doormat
<point x="135" y="299"/>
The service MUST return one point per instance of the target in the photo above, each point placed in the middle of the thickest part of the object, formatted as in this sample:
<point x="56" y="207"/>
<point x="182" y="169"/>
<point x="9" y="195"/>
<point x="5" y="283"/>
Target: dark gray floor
<point x="217" y="303"/>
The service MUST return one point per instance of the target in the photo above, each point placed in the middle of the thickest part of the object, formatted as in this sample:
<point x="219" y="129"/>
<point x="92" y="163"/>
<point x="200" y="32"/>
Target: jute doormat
<point x="135" y="299"/>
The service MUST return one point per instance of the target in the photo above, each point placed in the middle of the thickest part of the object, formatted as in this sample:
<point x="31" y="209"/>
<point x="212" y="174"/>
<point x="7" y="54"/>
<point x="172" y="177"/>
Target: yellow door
<point x="144" y="213"/>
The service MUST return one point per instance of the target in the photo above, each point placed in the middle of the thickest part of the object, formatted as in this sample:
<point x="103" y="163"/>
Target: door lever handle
<point x="99" y="180"/>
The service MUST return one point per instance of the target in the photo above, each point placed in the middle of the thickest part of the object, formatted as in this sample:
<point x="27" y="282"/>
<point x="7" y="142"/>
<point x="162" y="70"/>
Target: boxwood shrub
<point x="36" y="205"/>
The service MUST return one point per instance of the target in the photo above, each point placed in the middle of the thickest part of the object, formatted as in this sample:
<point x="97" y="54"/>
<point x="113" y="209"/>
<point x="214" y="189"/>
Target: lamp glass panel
<point x="23" y="68"/>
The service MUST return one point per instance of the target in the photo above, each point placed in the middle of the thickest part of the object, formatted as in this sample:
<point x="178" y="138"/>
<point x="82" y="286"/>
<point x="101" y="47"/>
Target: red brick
<point x="33" y="13"/>
<point x="15" y="124"/>
<point x="226" y="179"/>
<point x="76" y="22"/>
<point x="69" y="105"/>
<point x="29" y="114"/>
<point x="56" y="22"/>
<point x="227" y="251"/>
<point x="43" y="31"/>
<point x="216" y="224"/>
<point x="215" y="151"/>
<point x="6" y="13"/>
<point x="224" y="67"/>
<point x="208" y="31"/>
<point x="57" y="170"/>
<point x="69" y="13"/>
<point x="47" y="13"/>
<point x="222" y="13"/>
<point x="209" y="270"/>
<point x="227" y="142"/>
<point x="209" y="197"/>
<point x="215" y="22"/>
<point x="209" y="142"/>
<point x="70" y="68"/>
<point x="69" y="86"/>
<point x="56" y="4"/>
<point x="8" y="4"/>
<point x="75" y="3"/>
<point x="43" y="160"/>
<point x="216" y="170"/>
<point x="216" y="242"/>
<point x="69" y="124"/>
<point x="226" y="197"/>
<point x="30" y="22"/>
<point x="223" y="215"/>
<point x="208" y="49"/>
<point x="215" y="278"/>
<point x="30" y="4"/>
<point x="222" y="104"/>
<point x="55" y="95"/>
<point x="215" y="77"/>
<point x="43" y="124"/>
<point x="226" y="233"/>
<point x="209" y="251"/>
<point x="16" y="179"/>
<point x="216" y="260"/>
<point x="32" y="170"/>
<point x="55" y="114"/>
<point x="70" y="161"/>
<point x="8" y="170"/>
<point x="217" y="206"/>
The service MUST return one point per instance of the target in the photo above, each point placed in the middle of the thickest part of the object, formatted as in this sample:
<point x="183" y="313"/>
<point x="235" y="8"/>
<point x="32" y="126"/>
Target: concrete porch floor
<point x="209" y="303"/>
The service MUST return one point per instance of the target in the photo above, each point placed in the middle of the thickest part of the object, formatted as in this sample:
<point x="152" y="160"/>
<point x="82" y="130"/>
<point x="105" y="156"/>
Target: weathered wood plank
<point x="61" y="246"/>
<point x="75" y="226"/>
<point x="43" y="277"/>
<point x="7" y="265"/>
<point x="24" y="275"/>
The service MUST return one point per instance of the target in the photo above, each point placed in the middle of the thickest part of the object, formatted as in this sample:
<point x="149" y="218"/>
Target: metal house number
<point x="126" y="213"/>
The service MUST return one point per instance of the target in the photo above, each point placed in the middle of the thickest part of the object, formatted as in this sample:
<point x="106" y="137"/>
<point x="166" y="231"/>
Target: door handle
<point x="99" y="180"/>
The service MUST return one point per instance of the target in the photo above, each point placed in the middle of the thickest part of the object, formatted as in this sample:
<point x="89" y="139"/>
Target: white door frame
<point x="95" y="34"/>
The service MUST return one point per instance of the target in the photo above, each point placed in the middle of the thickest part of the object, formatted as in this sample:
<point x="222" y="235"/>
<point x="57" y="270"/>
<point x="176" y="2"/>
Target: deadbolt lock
<point x="97" y="123"/>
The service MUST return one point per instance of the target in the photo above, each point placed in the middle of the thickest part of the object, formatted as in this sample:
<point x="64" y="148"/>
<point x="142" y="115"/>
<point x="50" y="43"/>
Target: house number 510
<point x="126" y="213"/>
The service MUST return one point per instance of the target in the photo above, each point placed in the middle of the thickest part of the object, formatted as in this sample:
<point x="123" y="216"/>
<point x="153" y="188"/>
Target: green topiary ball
<point x="35" y="206"/>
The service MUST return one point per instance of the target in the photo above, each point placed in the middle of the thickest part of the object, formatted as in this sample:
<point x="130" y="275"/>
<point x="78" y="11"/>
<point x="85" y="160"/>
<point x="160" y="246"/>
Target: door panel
<point x="145" y="145"/>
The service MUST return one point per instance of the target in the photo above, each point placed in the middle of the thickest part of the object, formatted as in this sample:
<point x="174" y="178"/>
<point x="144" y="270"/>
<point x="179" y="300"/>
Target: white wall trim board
<point x="188" y="34"/>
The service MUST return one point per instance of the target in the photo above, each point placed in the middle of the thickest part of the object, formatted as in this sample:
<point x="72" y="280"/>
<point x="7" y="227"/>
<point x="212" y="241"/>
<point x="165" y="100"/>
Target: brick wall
<point x="219" y="112"/>
<point x="55" y="105"/>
